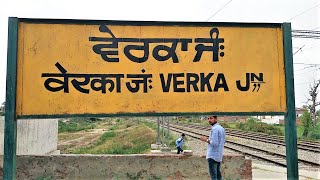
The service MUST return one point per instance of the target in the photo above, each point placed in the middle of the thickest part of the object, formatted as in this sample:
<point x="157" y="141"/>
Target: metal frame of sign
<point x="10" y="137"/>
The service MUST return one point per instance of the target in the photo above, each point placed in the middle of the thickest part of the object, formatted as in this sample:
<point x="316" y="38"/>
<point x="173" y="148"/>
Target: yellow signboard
<point x="148" y="68"/>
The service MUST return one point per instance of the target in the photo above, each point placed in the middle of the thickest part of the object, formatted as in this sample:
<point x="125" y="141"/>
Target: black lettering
<point x="193" y="82"/>
<point x="221" y="85"/>
<point x="176" y="83"/>
<point x="165" y="85"/>
<point x="254" y="76"/>
<point x="205" y="82"/>
<point x="247" y="86"/>
<point x="214" y="48"/>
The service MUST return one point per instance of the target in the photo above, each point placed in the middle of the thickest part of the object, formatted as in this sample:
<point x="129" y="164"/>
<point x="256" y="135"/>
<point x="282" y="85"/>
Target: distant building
<point x="280" y="119"/>
<point x="300" y="111"/>
<point x="298" y="121"/>
<point x="233" y="118"/>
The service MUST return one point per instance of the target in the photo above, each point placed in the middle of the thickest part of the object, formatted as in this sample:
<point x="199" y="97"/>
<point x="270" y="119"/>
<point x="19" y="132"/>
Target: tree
<point x="2" y="108"/>
<point x="314" y="103"/>
<point x="307" y="123"/>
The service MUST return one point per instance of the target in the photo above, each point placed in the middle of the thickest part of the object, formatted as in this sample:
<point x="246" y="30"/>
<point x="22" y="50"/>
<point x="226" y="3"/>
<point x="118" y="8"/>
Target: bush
<point x="114" y="128"/>
<point x="75" y="124"/>
<point x="314" y="133"/>
<point x="253" y="125"/>
<point x="307" y="123"/>
<point x="224" y="124"/>
<point x="151" y="125"/>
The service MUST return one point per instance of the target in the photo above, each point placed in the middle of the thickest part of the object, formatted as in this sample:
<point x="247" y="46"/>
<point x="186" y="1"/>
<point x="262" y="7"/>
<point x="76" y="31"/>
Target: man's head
<point x="183" y="135"/>
<point x="212" y="120"/>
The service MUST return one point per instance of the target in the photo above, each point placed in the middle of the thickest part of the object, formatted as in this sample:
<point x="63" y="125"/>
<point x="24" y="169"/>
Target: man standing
<point x="179" y="143"/>
<point x="215" y="142"/>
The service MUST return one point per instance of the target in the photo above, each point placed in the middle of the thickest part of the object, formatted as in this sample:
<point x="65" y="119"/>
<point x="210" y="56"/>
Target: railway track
<point x="265" y="155"/>
<point x="302" y="145"/>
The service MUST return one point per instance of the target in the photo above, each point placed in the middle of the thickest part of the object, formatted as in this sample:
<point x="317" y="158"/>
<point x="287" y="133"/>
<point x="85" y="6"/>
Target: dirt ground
<point x="69" y="141"/>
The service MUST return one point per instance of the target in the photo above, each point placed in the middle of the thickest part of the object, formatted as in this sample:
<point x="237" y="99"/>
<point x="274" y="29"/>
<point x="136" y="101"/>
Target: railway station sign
<point x="115" y="67"/>
<point x="85" y="68"/>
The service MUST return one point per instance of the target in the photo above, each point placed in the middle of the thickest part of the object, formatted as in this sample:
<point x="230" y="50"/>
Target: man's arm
<point x="214" y="138"/>
<point x="205" y="139"/>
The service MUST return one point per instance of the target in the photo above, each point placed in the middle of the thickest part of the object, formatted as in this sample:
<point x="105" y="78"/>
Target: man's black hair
<point x="215" y="117"/>
<point x="183" y="134"/>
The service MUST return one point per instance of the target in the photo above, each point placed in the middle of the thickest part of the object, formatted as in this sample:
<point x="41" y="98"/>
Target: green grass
<point x="45" y="177"/>
<point x="172" y="138"/>
<point x="113" y="128"/>
<point x="76" y="124"/>
<point x="232" y="125"/>
<point x="151" y="125"/>
<point x="106" y="136"/>
<point x="299" y="130"/>
<point x="132" y="137"/>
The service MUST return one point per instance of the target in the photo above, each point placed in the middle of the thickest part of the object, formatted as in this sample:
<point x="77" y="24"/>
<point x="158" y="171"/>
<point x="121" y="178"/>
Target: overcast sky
<point x="303" y="14"/>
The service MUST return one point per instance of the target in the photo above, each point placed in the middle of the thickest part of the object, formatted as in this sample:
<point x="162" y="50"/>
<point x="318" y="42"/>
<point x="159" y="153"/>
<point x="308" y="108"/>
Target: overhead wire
<point x="219" y="10"/>
<point x="306" y="34"/>
<point x="303" y="12"/>
<point x="295" y="33"/>
<point x="300" y="49"/>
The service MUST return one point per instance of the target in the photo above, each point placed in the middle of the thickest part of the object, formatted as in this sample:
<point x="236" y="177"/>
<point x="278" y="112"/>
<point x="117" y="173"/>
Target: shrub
<point x="106" y="136"/>
<point x="253" y="125"/>
<point x="314" y="133"/>
<point x="114" y="128"/>
<point x="307" y="123"/>
<point x="224" y="124"/>
<point x="75" y="124"/>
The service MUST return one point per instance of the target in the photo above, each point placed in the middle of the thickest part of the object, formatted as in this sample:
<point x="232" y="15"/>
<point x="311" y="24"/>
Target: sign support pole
<point x="290" y="118"/>
<point x="10" y="131"/>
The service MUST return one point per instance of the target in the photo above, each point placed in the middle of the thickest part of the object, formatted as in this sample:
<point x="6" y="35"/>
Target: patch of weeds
<point x="113" y="128"/>
<point x="132" y="176"/>
<point x="154" y="177"/>
<point x="75" y="125"/>
<point x="45" y="177"/>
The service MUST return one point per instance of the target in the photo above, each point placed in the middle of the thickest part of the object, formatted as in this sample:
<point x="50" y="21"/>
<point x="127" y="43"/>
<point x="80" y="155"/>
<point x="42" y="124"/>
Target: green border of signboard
<point x="290" y="118"/>
<point x="10" y="111"/>
<point x="10" y="129"/>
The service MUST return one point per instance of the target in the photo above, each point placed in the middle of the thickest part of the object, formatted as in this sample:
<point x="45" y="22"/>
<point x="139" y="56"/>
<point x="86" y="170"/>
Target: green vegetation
<point x="172" y="138"/>
<point x="151" y="125"/>
<point x="45" y="177"/>
<point x="253" y="125"/>
<point x="135" y="176"/>
<point x="314" y="133"/>
<point x="2" y="108"/>
<point x="224" y="125"/>
<point x="76" y="124"/>
<point x="131" y="137"/>
<point x="307" y="123"/>
<point x="105" y="136"/>
<point x="113" y="128"/>
<point x="299" y="130"/>
<point x="307" y="131"/>
<point x="311" y="130"/>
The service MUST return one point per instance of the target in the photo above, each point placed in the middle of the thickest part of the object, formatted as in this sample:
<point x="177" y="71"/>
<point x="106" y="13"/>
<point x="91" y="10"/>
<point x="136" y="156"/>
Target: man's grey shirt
<point x="217" y="140"/>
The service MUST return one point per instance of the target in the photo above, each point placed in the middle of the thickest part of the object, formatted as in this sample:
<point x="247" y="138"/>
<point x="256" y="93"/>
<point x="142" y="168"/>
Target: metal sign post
<point x="290" y="118"/>
<point x="10" y="130"/>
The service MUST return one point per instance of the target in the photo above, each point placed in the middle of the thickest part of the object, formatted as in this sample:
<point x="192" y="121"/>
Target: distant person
<point x="215" y="142"/>
<point x="179" y="143"/>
